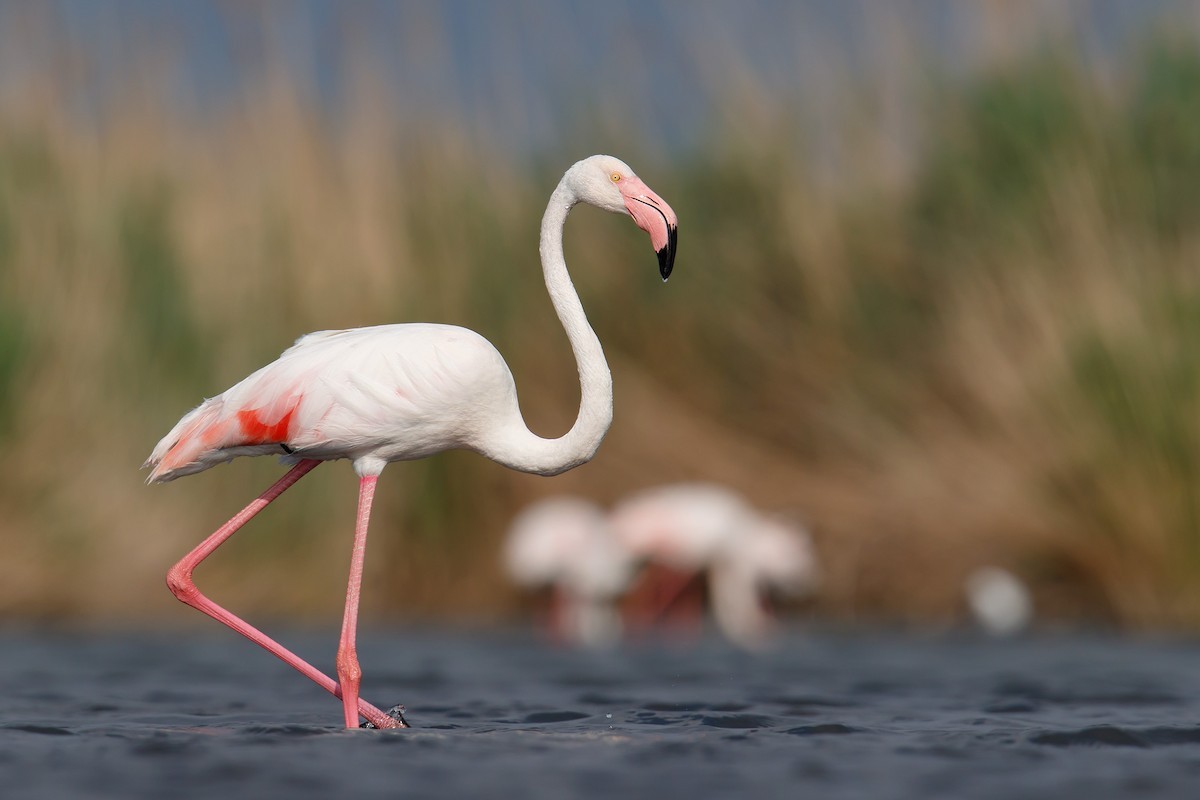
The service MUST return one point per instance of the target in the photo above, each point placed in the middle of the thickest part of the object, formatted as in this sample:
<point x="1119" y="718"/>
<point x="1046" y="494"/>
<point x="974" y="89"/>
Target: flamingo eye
<point x="616" y="177"/>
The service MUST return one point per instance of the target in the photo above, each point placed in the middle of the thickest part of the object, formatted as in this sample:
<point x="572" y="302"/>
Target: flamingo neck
<point x="521" y="449"/>
<point x="737" y="605"/>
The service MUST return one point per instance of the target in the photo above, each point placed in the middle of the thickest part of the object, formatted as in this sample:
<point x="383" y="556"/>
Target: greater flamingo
<point x="565" y="543"/>
<point x="401" y="392"/>
<point x="698" y="528"/>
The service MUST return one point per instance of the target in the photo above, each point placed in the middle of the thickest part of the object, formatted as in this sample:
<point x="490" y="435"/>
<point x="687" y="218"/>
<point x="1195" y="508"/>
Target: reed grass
<point x="982" y="352"/>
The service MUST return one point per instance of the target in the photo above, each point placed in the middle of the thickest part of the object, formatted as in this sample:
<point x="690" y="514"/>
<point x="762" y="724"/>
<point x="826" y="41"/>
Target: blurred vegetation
<point x="993" y="359"/>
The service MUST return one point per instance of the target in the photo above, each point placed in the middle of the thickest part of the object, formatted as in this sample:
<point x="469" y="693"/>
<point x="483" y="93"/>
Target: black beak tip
<point x="666" y="256"/>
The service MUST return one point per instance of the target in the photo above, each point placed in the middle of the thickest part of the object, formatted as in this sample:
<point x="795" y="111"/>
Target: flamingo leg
<point x="179" y="580"/>
<point x="664" y="595"/>
<point x="348" y="670"/>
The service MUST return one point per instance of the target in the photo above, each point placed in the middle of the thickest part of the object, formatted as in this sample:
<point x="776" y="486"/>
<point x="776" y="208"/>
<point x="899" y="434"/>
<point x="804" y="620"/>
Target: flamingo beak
<point x="652" y="214"/>
<point x="666" y="255"/>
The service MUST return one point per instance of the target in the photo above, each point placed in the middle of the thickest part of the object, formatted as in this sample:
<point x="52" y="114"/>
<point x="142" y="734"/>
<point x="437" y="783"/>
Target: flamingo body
<point x="567" y="539"/>
<point x="373" y="395"/>
<point x="684" y="526"/>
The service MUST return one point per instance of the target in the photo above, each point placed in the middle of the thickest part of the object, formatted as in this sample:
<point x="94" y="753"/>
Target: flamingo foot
<point x="395" y="714"/>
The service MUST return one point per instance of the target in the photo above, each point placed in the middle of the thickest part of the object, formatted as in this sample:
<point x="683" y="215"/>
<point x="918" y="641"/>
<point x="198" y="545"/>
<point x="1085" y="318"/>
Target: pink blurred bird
<point x="565" y="543"/>
<point x="401" y="392"/>
<point x="698" y="529"/>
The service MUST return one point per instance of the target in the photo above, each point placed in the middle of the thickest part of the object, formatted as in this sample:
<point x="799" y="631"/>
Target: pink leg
<point x="348" y="671"/>
<point x="663" y="597"/>
<point x="179" y="580"/>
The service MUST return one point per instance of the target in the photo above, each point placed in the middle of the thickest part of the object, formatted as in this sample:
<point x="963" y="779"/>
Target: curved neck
<point x="522" y="449"/>
<point x="736" y="604"/>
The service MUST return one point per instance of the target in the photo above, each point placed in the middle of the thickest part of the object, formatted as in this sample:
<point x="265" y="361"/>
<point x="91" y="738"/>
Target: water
<point x="207" y="715"/>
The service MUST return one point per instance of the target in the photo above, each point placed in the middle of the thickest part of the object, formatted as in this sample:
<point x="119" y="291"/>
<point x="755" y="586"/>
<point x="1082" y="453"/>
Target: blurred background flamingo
<point x="564" y="543"/>
<point x="703" y="536"/>
<point x="691" y="544"/>
<point x="1000" y="603"/>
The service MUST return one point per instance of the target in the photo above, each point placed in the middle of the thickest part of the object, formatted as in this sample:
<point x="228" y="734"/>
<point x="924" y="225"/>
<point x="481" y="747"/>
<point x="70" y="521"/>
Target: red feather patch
<point x="258" y="432"/>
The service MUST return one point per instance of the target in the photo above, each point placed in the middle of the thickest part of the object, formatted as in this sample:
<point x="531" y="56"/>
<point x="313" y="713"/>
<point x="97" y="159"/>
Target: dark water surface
<point x="503" y="715"/>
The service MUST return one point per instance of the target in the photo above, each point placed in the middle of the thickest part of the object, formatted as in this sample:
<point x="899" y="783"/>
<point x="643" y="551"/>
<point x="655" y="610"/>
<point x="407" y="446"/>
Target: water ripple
<point x="539" y="717"/>
<point x="822" y="730"/>
<point x="1114" y="736"/>
<point x="737" y="721"/>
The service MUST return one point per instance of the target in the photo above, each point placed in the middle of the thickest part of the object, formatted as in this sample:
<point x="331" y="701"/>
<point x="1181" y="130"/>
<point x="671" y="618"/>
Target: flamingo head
<point x="609" y="183"/>
<point x="780" y="552"/>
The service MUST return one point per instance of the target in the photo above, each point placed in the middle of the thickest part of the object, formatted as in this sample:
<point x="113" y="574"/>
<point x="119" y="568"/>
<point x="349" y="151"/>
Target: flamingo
<point x="565" y="542"/>
<point x="695" y="528"/>
<point x="401" y="392"/>
<point x="999" y="601"/>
